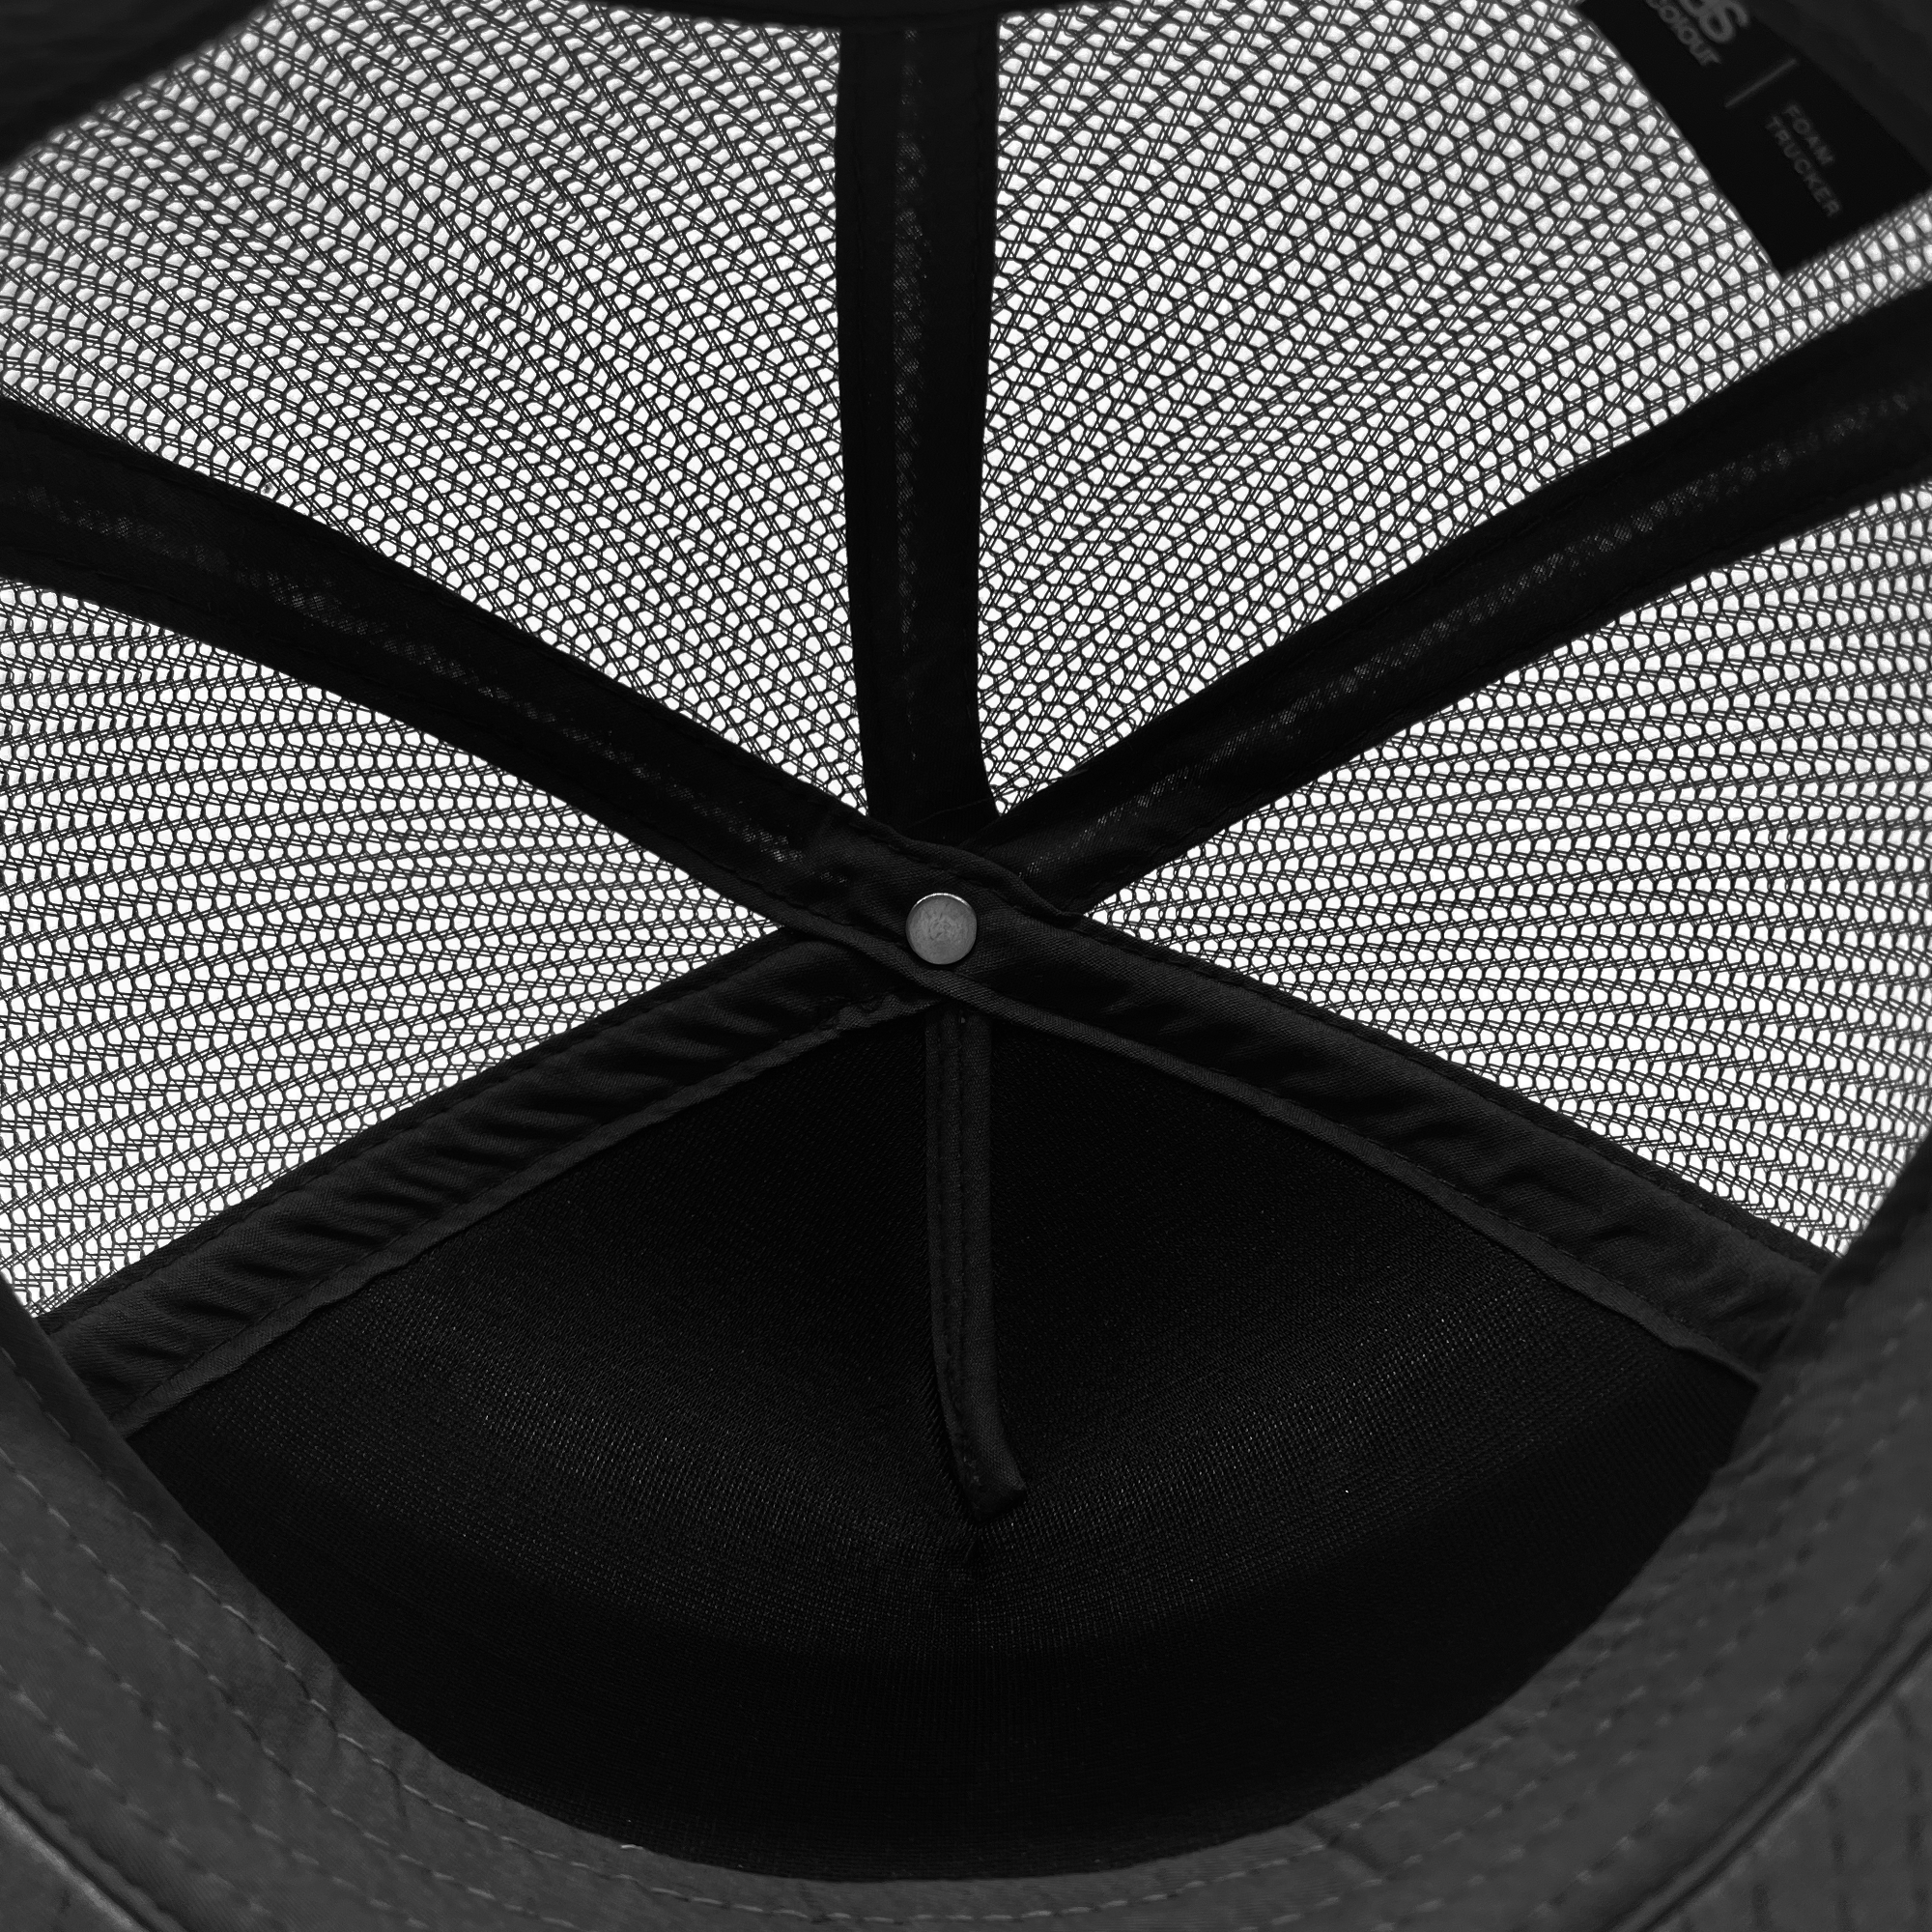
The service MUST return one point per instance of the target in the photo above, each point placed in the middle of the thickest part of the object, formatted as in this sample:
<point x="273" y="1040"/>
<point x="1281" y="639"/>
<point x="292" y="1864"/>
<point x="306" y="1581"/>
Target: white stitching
<point x="1558" y="1699"/>
<point x="178" y="1749"/>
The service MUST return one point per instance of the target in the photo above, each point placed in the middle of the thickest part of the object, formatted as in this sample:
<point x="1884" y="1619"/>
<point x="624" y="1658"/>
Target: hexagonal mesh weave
<point x="539" y="301"/>
<point x="246" y="920"/>
<point x="536" y="298"/>
<point x="1289" y="296"/>
<point x="1675" y="880"/>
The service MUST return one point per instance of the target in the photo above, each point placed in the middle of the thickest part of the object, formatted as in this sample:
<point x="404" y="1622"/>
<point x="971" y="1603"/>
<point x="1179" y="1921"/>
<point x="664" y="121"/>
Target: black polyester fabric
<point x="640" y="1509"/>
<point x="917" y="179"/>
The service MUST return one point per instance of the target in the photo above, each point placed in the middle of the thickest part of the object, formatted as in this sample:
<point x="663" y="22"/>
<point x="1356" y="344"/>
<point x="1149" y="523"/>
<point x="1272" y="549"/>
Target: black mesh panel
<point x="1287" y="296"/>
<point x="246" y="920"/>
<point x="1673" y="880"/>
<point x="537" y="299"/>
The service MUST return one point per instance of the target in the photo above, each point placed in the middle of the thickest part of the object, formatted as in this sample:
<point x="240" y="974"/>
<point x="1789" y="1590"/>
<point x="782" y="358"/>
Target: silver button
<point x="941" y="929"/>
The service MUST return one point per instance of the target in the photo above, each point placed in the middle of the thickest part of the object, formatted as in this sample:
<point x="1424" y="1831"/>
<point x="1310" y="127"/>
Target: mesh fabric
<point x="1675" y="880"/>
<point x="535" y="299"/>
<point x="539" y="301"/>
<point x="1289" y="296"/>
<point x="245" y="919"/>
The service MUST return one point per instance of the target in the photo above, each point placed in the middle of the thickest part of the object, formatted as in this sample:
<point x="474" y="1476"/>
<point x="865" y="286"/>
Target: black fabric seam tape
<point x="914" y="324"/>
<point x="421" y="1114"/>
<point x="958" y="1218"/>
<point x="1906" y="319"/>
<point x="794" y="888"/>
<point x="1461" y="1109"/>
<point x="234" y="1345"/>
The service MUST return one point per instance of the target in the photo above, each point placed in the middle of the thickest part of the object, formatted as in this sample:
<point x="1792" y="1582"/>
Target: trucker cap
<point x="970" y="967"/>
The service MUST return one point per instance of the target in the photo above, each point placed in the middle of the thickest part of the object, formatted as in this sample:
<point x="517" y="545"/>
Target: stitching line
<point x="177" y="1748"/>
<point x="1714" y="1520"/>
<point x="148" y="1823"/>
<point x="1447" y="690"/>
<point x="1159" y="956"/>
<point x="522" y="758"/>
<point x="24" y="1803"/>
<point x="286" y="1663"/>
<point x="825" y="1032"/>
<point x="345" y="553"/>
<point x="464" y="1095"/>
<point x="451" y="1209"/>
<point x="1726" y="409"/>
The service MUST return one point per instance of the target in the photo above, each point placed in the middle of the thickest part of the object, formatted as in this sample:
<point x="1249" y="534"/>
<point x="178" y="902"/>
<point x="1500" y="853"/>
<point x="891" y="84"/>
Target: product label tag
<point x="1800" y="161"/>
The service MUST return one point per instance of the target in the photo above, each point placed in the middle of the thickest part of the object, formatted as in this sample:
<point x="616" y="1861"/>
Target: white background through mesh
<point x="1675" y="880"/>
<point x="1289" y="295"/>
<point x="245" y="919"/>
<point x="535" y="299"/>
<point x="538" y="299"/>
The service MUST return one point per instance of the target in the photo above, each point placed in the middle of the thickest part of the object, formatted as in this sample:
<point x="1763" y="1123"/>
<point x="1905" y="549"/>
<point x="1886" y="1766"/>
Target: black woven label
<point x="1803" y="162"/>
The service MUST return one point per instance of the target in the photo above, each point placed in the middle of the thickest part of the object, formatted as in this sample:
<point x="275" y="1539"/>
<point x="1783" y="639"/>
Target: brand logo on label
<point x="1803" y="160"/>
<point x="1719" y="20"/>
<point x="1702" y="26"/>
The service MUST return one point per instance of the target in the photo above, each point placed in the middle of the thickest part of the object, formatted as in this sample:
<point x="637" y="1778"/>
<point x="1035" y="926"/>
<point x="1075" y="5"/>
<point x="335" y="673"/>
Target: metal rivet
<point x="941" y="929"/>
